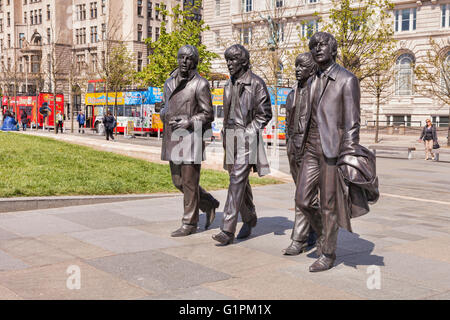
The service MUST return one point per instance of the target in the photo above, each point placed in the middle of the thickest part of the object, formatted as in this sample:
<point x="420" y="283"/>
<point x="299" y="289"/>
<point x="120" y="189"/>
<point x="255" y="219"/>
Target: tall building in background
<point x="44" y="40"/>
<point x="414" y="23"/>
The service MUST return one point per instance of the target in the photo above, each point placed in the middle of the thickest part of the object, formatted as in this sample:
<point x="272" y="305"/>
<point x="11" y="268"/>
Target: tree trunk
<point x="377" y="125"/>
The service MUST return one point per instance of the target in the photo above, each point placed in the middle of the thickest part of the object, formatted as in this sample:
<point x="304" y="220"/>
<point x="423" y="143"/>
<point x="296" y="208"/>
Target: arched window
<point x="404" y="75"/>
<point x="445" y="74"/>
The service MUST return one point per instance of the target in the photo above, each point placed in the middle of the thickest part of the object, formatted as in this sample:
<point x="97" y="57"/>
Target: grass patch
<point x="37" y="166"/>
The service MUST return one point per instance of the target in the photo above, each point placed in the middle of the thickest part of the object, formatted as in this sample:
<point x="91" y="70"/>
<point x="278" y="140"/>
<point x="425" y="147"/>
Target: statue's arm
<point x="351" y="111"/>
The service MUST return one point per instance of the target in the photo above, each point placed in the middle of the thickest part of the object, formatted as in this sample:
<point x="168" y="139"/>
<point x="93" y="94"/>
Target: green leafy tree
<point x="185" y="30"/>
<point x="433" y="74"/>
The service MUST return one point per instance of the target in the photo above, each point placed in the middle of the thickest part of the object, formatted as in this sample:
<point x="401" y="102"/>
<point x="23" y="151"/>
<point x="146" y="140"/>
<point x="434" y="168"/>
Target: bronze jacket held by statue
<point x="188" y="99"/>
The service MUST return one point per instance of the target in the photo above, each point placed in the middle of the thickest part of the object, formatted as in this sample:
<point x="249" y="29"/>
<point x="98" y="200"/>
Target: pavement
<point x="123" y="250"/>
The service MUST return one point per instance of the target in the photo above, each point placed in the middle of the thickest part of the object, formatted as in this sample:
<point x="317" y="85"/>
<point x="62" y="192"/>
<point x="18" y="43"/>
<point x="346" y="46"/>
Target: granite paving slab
<point x="34" y="252"/>
<point x="33" y="225"/>
<point x="50" y="282"/>
<point x="9" y="262"/>
<point x="123" y="239"/>
<point x="156" y="271"/>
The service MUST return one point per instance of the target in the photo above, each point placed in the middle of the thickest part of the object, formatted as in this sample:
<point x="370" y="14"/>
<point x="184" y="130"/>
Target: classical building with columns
<point x="414" y="23"/>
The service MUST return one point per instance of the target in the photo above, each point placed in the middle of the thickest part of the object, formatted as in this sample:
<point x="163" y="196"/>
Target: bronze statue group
<point x="335" y="177"/>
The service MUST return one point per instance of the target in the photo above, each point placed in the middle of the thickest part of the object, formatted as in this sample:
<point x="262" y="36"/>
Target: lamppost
<point x="272" y="43"/>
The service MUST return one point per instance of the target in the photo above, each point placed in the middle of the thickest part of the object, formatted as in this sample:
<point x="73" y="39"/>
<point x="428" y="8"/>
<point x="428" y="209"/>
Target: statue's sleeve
<point x="351" y="109"/>
<point x="205" y="112"/>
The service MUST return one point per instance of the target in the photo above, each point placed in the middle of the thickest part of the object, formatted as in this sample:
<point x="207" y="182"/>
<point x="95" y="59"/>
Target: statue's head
<point x="323" y="47"/>
<point x="238" y="60"/>
<point x="305" y="66"/>
<point x="187" y="58"/>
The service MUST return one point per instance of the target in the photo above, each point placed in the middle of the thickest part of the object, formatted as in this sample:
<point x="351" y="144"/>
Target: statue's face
<point x="322" y="52"/>
<point x="302" y="70"/>
<point x="185" y="62"/>
<point x="234" y="64"/>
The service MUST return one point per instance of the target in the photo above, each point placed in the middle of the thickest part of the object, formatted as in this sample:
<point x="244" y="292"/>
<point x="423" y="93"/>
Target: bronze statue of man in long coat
<point x="187" y="114"/>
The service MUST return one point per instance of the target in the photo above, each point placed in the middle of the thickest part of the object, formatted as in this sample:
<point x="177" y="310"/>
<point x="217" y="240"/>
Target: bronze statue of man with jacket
<point x="332" y="129"/>
<point x="247" y="110"/>
<point x="302" y="235"/>
<point x="187" y="113"/>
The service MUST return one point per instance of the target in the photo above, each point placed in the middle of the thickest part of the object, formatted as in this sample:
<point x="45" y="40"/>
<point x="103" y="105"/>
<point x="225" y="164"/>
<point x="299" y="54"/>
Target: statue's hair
<point x="191" y="51"/>
<point x="308" y="61"/>
<point x="324" y="36"/>
<point x="237" y="49"/>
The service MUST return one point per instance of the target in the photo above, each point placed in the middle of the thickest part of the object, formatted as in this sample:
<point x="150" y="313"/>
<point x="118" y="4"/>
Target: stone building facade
<point x="70" y="36"/>
<point x="414" y="23"/>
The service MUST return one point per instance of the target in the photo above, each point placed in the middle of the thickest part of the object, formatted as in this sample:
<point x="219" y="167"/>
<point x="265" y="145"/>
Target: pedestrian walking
<point x="81" y="119"/>
<point x="59" y="122"/>
<point x="429" y="138"/>
<point x="24" y="120"/>
<point x="110" y="123"/>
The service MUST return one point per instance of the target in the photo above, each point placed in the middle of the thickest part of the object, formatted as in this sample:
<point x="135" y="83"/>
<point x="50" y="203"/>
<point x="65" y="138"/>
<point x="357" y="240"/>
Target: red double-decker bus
<point x="40" y="113"/>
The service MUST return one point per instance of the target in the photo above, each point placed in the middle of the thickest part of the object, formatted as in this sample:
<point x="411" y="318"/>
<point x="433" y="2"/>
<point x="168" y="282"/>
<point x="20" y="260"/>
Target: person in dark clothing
<point x="429" y="137"/>
<point x="81" y="119"/>
<point x="9" y="123"/>
<point x="24" y="120"/>
<point x="110" y="123"/>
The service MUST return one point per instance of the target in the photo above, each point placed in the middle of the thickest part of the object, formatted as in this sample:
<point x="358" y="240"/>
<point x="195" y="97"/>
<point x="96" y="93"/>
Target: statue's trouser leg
<point x="319" y="173"/>
<point x="207" y="201"/>
<point x="186" y="178"/>
<point x="239" y="198"/>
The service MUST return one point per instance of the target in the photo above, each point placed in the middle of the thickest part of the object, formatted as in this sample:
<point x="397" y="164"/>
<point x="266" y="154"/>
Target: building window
<point x="8" y="19"/>
<point x="93" y="10"/>
<point x="445" y="11"/>
<point x="405" y="20"/>
<point x="163" y="7"/>
<point x="312" y="1"/>
<point x="404" y="75"/>
<point x="103" y="31"/>
<point x="35" y="64"/>
<point x="103" y="6"/>
<point x="278" y="3"/>
<point x="247" y="5"/>
<point x="49" y="36"/>
<point x="21" y="39"/>
<point x="139" y="8"/>
<point x="94" y="36"/>
<point x="150" y="33"/>
<point x="149" y="10"/>
<point x="156" y="34"/>
<point x="40" y="16"/>
<point x="9" y="40"/>
<point x="156" y="11"/>
<point x="139" y="62"/>
<point x="309" y="28"/>
<point x="445" y="75"/>
<point x="48" y="12"/>
<point x="217" y="8"/>
<point x="1" y="25"/>
<point x="246" y="35"/>
<point x="139" y="32"/>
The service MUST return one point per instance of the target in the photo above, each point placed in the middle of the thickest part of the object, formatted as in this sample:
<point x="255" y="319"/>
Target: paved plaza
<point x="123" y="250"/>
